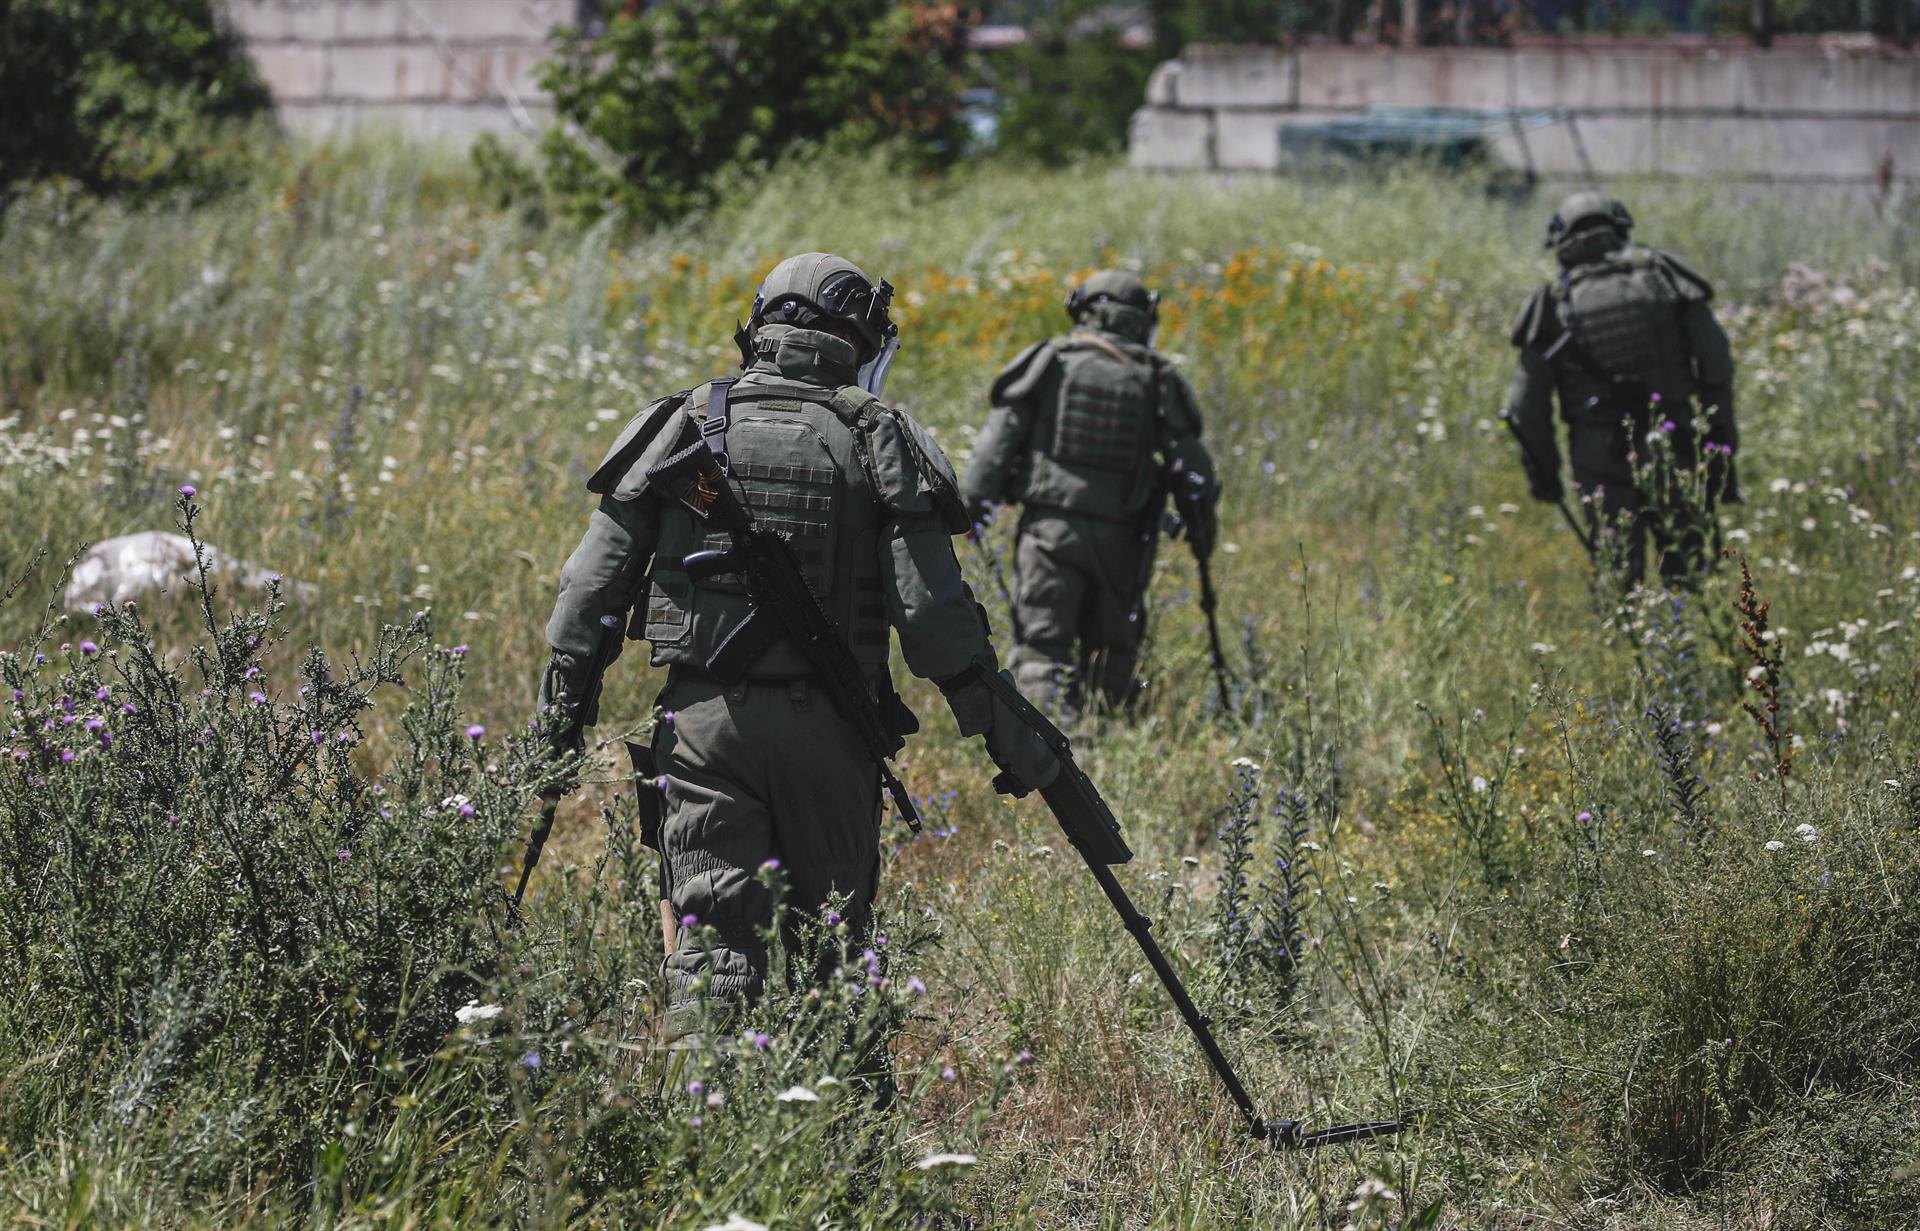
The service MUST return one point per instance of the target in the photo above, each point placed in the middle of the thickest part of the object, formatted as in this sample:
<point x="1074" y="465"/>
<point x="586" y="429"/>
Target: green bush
<point x="1068" y="95"/>
<point x="128" y="97"/>
<point x="674" y="98"/>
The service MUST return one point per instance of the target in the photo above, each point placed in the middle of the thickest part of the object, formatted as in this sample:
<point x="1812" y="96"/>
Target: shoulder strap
<point x="713" y="429"/>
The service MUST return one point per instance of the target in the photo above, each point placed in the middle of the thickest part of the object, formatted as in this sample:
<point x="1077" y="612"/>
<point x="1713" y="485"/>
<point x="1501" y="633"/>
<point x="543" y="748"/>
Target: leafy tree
<point x="1069" y="92"/>
<point x="673" y="98"/>
<point x="123" y="96"/>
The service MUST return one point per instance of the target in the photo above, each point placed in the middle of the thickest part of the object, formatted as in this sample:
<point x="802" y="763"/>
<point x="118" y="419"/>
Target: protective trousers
<point x="764" y="770"/>
<point x="1078" y="618"/>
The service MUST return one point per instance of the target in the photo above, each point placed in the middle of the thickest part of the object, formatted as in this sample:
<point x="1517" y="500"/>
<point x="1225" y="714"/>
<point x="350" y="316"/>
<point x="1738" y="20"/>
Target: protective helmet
<point x="1585" y="210"/>
<point x="815" y="287"/>
<point x="1117" y="285"/>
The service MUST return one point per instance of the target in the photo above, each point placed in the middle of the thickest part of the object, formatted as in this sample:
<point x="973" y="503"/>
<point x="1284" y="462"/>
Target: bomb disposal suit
<point x="1626" y="338"/>
<point x="766" y="767"/>
<point x="1088" y="433"/>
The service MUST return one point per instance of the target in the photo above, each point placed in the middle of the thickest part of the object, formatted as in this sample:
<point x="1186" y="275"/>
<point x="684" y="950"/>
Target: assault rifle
<point x="1092" y="830"/>
<point x="783" y="603"/>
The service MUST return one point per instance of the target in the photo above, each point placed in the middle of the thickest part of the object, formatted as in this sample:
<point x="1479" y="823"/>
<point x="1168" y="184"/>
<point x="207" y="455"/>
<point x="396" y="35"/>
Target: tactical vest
<point x="1623" y="313"/>
<point x="795" y="452"/>
<point x="1094" y="440"/>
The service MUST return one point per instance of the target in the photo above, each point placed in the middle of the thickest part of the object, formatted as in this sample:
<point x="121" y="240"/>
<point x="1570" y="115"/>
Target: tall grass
<point x="1515" y="861"/>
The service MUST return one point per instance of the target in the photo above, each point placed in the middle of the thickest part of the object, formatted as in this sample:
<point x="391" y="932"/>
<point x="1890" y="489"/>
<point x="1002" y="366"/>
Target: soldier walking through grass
<point x="1088" y="434"/>
<point x="758" y="755"/>
<point x="1626" y="338"/>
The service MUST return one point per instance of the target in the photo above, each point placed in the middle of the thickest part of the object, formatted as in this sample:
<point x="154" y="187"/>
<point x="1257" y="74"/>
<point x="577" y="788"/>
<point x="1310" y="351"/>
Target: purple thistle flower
<point x="127" y="708"/>
<point x="66" y="756"/>
<point x="189" y="490"/>
<point x="915" y="986"/>
<point x="1025" y="1057"/>
<point x="96" y="724"/>
<point x="476" y="731"/>
<point x="947" y="1074"/>
<point x="771" y="865"/>
<point x="689" y="921"/>
<point x="173" y="818"/>
<point x="833" y="918"/>
<point x="761" y="1040"/>
<point x="467" y="810"/>
<point x="88" y="647"/>
<point x="696" y="1088"/>
<point x="319" y="737"/>
<point x="1583" y="817"/>
<point x="102" y="694"/>
<point x="530" y="1061"/>
<point x="458" y="651"/>
<point x="343" y="854"/>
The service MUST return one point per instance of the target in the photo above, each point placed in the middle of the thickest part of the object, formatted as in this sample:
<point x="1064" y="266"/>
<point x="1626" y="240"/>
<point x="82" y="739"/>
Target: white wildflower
<point x="473" y="1011"/>
<point x="1479" y="785"/>
<point x="796" y="1094"/>
<point x="1244" y="763"/>
<point x="735" y="1223"/>
<point x="1648" y="854"/>
<point x="1543" y="647"/>
<point x="1806" y="833"/>
<point x="1776" y="845"/>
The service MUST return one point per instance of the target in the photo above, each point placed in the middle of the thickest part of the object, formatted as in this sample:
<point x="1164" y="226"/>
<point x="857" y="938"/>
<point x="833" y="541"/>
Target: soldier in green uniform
<point x="1084" y="433"/>
<point x="1626" y="338"/>
<point x="767" y="768"/>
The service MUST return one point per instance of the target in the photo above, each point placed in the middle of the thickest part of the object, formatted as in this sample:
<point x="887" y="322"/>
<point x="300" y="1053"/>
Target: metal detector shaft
<point x="1210" y="604"/>
<point x="1282" y="1134"/>
<point x="1197" y="1022"/>
<point x="1560" y="502"/>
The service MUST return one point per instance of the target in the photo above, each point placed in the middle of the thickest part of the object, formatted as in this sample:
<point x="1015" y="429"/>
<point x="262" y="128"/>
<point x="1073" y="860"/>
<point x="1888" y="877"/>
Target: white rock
<point x="134" y="565"/>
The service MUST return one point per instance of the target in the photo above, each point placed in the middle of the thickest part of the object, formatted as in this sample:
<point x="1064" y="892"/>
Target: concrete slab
<point x="1236" y="77"/>
<point x="490" y="20"/>
<point x="1249" y="140"/>
<point x="368" y="72"/>
<point x="294" y="72"/>
<point x="1163" y="85"/>
<point x="1584" y="78"/>
<point x="1345" y="78"/>
<point x="1856" y="84"/>
<point x="1163" y="138"/>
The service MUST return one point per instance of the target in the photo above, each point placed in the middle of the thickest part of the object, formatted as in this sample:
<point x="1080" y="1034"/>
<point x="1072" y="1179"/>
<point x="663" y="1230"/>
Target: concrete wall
<point x="432" y="67"/>
<point x="1825" y="112"/>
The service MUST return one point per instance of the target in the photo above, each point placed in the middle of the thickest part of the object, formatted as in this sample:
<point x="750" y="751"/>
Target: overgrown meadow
<point x="1611" y="897"/>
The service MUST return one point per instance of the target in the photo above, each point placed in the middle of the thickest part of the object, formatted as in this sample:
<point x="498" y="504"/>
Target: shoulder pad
<point x="1179" y="408"/>
<point x="1020" y="378"/>
<point x="911" y="473"/>
<point x="1537" y="322"/>
<point x="652" y="434"/>
<point x="1685" y="278"/>
<point x="852" y="403"/>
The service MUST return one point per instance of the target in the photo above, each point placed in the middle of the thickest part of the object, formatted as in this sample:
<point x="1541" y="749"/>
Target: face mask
<point x="873" y="377"/>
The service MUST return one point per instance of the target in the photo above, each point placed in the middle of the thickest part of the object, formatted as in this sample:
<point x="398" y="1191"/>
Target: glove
<point x="1026" y="763"/>
<point x="1202" y="529"/>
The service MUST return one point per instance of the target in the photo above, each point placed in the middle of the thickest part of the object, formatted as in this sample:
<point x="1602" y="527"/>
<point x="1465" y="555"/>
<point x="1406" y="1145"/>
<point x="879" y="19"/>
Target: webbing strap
<point x="714" y="429"/>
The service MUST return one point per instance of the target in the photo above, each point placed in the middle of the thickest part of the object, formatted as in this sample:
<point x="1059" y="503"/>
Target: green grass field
<point x="1622" y="958"/>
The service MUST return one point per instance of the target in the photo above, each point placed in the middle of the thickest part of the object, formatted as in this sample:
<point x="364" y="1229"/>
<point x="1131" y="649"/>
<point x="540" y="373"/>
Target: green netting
<point x="1450" y="136"/>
